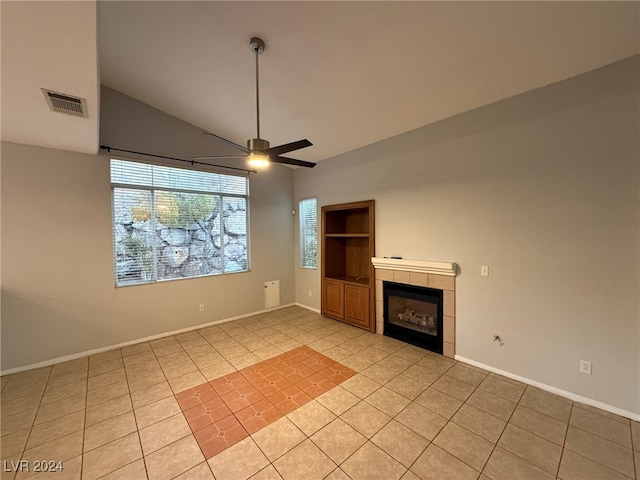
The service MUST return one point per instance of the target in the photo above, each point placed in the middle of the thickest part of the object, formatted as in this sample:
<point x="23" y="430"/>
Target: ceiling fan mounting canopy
<point x="258" y="150"/>
<point x="256" y="44"/>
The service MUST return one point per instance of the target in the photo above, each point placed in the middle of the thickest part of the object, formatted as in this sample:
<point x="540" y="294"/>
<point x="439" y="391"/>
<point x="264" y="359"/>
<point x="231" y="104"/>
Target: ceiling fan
<point x="258" y="152"/>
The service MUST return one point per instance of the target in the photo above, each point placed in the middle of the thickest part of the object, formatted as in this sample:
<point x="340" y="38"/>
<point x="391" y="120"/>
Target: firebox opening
<point x="414" y="315"/>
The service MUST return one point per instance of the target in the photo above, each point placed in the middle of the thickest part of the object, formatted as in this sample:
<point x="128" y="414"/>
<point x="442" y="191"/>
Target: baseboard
<point x="558" y="391"/>
<point x="95" y="351"/>
<point x="307" y="307"/>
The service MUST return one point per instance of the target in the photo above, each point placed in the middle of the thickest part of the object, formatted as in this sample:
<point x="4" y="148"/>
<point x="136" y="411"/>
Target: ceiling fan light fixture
<point x="258" y="160"/>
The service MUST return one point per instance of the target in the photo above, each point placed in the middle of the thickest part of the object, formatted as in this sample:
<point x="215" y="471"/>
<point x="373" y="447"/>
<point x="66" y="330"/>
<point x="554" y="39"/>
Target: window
<point x="308" y="233"/>
<point x="171" y="223"/>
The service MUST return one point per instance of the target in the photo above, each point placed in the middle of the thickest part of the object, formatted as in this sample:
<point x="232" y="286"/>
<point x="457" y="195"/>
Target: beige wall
<point x="544" y="189"/>
<point x="58" y="294"/>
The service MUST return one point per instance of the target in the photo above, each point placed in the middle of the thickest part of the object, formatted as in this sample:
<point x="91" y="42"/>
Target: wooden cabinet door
<point x="333" y="299"/>
<point x="357" y="305"/>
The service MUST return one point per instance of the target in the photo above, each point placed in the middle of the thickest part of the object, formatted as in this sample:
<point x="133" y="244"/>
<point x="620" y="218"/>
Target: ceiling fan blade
<point x="214" y="157"/>
<point x="289" y="147"/>
<point x="228" y="142"/>
<point x="292" y="161"/>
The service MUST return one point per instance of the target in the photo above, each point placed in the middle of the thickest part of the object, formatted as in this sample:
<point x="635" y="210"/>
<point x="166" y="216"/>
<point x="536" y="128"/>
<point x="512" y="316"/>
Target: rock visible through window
<point x="171" y="223"/>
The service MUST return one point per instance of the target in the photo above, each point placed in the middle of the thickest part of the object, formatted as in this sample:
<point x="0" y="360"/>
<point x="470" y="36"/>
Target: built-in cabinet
<point x="348" y="243"/>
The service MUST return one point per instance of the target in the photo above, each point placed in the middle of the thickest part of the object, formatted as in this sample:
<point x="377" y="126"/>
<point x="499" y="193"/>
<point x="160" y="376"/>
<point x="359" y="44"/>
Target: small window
<point x="171" y="223"/>
<point x="308" y="233"/>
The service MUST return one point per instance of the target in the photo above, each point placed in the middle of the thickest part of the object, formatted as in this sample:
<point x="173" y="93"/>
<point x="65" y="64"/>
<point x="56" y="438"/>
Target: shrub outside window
<point x="171" y="223"/>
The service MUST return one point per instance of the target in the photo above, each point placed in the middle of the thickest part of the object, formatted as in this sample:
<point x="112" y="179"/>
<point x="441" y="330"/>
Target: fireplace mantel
<point x="419" y="266"/>
<point x="439" y="275"/>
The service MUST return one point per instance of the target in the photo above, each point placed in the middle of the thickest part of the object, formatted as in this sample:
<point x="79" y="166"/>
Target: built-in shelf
<point x="347" y="272"/>
<point x="347" y="235"/>
<point x="349" y="279"/>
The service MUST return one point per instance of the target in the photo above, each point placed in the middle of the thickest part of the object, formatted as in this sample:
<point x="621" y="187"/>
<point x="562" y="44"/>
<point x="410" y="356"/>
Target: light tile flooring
<point x="406" y="413"/>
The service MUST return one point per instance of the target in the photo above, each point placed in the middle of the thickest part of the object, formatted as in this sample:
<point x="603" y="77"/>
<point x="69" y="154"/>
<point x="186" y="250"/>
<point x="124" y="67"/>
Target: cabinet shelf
<point x="347" y="235"/>
<point x="348" y="279"/>
<point x="347" y="272"/>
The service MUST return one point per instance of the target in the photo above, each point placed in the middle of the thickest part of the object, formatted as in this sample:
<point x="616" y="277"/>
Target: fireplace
<point x="430" y="274"/>
<point x="413" y="314"/>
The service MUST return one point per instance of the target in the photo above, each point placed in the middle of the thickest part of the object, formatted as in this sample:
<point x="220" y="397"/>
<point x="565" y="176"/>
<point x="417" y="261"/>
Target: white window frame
<point x="158" y="182"/>
<point x="308" y="232"/>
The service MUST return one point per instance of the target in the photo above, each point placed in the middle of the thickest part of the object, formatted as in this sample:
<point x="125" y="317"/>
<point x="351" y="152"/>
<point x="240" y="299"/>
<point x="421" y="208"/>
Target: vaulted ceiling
<point x="343" y="74"/>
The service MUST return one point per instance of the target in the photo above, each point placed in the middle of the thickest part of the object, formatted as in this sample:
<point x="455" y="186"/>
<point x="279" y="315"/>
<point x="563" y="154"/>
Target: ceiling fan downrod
<point x="257" y="46"/>
<point x="258" y="151"/>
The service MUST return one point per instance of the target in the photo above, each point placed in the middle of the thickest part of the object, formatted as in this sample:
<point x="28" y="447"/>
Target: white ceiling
<point x="342" y="74"/>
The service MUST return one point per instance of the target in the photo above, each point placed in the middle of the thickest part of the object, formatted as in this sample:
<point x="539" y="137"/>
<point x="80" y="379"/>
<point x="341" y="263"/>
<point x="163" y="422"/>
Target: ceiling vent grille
<point x="60" y="102"/>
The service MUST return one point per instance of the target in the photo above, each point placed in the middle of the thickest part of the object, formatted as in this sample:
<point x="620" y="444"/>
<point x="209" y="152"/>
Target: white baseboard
<point x="95" y="351"/>
<point x="307" y="307"/>
<point x="558" y="391"/>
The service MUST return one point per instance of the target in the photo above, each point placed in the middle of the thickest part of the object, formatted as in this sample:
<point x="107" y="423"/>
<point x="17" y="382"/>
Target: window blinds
<point x="308" y="213"/>
<point x="171" y="223"/>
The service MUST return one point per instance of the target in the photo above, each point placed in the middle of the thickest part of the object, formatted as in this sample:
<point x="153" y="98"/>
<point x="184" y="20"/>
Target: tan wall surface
<point x="58" y="294"/>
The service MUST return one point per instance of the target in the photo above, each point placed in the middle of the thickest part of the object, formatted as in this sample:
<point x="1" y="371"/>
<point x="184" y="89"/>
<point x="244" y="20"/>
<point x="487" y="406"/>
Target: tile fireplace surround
<point x="421" y="273"/>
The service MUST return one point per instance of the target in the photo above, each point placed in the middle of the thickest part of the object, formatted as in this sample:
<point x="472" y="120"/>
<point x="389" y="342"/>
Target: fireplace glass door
<point x="413" y="314"/>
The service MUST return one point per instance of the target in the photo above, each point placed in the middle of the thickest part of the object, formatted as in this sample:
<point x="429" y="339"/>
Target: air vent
<point x="60" y="102"/>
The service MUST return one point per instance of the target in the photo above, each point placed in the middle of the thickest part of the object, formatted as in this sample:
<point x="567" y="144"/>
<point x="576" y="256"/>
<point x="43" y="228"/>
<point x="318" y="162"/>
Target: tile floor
<point x="396" y="412"/>
<point x="230" y="408"/>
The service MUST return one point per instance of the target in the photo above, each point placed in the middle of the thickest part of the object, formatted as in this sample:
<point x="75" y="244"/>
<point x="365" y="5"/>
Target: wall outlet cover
<point x="585" y="367"/>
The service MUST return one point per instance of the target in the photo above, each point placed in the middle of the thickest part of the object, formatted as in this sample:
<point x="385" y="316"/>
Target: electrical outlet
<point x="484" y="270"/>
<point x="310" y="293"/>
<point x="202" y="307"/>
<point x="585" y="367"/>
